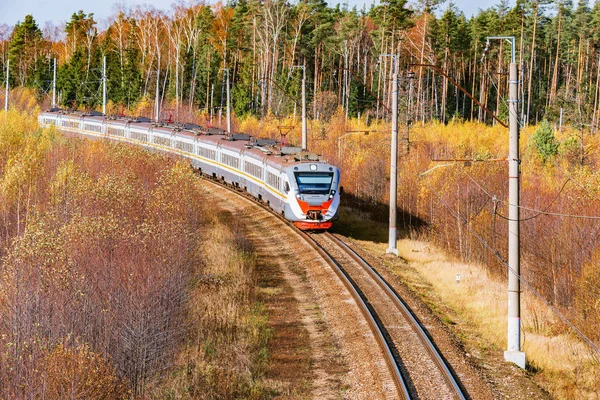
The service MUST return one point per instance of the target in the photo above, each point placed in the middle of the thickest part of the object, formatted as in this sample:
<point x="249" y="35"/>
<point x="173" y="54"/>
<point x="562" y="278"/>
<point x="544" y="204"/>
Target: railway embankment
<point x="464" y="308"/>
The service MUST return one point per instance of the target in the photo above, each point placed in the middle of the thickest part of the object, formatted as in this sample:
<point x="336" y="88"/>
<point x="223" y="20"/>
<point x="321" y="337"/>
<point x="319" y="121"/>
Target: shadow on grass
<point x="366" y="220"/>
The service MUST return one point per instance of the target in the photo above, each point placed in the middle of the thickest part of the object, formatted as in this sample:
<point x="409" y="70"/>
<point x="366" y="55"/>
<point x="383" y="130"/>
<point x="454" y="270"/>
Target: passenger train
<point x="293" y="183"/>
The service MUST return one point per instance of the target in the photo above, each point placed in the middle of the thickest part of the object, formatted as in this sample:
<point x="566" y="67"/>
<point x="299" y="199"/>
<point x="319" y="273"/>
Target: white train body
<point x="304" y="191"/>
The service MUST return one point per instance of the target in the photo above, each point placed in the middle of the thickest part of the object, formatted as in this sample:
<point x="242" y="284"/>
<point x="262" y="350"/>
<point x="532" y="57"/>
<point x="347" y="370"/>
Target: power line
<point x="548" y="156"/>
<point x="496" y="253"/>
<point x="538" y="211"/>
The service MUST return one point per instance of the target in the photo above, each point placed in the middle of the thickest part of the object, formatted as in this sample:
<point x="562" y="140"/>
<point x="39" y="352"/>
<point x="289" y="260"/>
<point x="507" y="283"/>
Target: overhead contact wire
<point x="496" y="253"/>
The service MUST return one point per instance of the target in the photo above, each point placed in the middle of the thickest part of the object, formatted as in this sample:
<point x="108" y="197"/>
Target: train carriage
<point x="296" y="184"/>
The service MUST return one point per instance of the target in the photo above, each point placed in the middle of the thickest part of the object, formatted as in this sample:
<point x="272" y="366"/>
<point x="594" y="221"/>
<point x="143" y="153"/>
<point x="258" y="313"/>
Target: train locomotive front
<point x="313" y="196"/>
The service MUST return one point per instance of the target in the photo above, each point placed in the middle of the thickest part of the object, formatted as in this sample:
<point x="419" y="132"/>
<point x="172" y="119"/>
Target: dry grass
<point x="563" y="365"/>
<point x="226" y="348"/>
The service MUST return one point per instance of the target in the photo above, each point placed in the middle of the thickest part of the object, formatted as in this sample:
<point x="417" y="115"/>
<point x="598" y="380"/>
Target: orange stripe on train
<point x="305" y="207"/>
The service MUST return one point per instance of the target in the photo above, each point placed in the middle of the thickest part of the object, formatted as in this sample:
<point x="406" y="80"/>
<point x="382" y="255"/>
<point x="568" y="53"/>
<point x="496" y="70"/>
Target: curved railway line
<point x="416" y="367"/>
<point x="424" y="371"/>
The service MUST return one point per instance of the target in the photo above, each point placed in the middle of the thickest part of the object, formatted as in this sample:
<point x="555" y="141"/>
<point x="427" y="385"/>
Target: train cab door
<point x="284" y="188"/>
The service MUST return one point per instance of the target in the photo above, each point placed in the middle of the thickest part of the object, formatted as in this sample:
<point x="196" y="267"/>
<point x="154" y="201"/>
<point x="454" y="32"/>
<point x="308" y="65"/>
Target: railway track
<point x="424" y="372"/>
<point x="416" y="368"/>
<point x="413" y="368"/>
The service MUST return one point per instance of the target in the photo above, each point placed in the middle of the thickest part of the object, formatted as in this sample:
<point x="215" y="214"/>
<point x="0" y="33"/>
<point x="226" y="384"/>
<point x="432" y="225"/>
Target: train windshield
<point x="314" y="182"/>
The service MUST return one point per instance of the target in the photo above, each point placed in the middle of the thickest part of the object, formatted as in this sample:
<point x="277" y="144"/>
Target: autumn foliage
<point x="455" y="179"/>
<point x="105" y="282"/>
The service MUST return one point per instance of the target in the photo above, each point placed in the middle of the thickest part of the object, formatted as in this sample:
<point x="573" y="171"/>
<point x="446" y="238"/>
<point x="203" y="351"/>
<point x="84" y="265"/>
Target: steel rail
<point x="383" y="342"/>
<point x="448" y="375"/>
<point x="376" y="327"/>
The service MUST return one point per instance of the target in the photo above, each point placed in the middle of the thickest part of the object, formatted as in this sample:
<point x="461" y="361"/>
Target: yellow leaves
<point x="94" y="229"/>
<point x="142" y="106"/>
<point x="22" y="150"/>
<point x="177" y="192"/>
<point x="220" y="26"/>
<point x="23" y="100"/>
<point x="64" y="184"/>
<point x="79" y="373"/>
<point x="20" y="133"/>
<point x="250" y="125"/>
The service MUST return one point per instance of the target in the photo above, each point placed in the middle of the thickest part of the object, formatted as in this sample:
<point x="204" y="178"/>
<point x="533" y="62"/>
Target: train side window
<point x="286" y="188"/>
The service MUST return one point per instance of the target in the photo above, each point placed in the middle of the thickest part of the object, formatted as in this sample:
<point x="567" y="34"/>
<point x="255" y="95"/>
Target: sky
<point x="12" y="11"/>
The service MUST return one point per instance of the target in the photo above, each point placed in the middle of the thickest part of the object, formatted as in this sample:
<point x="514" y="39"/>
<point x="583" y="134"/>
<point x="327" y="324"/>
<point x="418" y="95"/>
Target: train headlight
<point x="331" y="194"/>
<point x="313" y="167"/>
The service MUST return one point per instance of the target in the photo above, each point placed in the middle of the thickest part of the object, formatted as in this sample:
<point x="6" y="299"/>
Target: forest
<point x="452" y="169"/>
<point x="180" y="56"/>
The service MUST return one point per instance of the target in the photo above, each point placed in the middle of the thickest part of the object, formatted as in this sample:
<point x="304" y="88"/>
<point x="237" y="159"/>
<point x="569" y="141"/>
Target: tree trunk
<point x="552" y="98"/>
<point x="531" y="61"/>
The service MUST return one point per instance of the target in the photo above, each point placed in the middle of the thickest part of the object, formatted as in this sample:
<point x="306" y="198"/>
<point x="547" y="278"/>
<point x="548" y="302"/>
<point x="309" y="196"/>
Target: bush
<point x="101" y="274"/>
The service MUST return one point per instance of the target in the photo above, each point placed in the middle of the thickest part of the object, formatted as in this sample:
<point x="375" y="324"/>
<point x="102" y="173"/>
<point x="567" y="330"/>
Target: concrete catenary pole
<point x="104" y="85"/>
<point x="157" y="104"/>
<point x="392" y="249"/>
<point x="7" y="75"/>
<point x="228" y="103"/>
<point x="513" y="352"/>
<point x="304" y="132"/>
<point x="54" y="86"/>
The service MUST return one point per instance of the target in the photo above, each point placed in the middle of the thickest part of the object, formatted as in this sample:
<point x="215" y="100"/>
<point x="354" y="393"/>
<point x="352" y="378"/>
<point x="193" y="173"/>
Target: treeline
<point x="180" y="55"/>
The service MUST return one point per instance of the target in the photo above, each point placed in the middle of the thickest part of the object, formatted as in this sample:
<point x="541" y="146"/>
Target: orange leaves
<point x="220" y="27"/>
<point x="79" y="373"/>
<point x="416" y="43"/>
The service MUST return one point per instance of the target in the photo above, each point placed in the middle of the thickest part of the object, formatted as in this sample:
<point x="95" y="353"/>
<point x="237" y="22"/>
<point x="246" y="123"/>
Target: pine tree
<point x="545" y="141"/>
<point x="25" y="51"/>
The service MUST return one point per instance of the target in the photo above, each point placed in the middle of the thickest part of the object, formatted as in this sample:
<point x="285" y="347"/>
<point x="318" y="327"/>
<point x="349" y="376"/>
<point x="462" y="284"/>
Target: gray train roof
<point x="267" y="150"/>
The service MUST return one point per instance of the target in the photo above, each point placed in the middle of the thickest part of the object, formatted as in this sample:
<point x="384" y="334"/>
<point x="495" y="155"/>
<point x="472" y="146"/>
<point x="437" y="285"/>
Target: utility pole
<point x="513" y="352"/>
<point x="54" y="86"/>
<point x="157" y="102"/>
<point x="304" y="132"/>
<point x="392" y="249"/>
<point x="104" y="86"/>
<point x="7" y="75"/>
<point x="228" y="101"/>
<point x="212" y="92"/>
